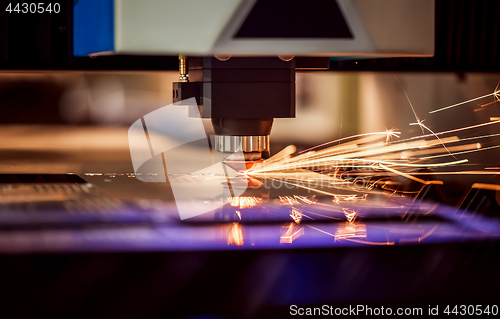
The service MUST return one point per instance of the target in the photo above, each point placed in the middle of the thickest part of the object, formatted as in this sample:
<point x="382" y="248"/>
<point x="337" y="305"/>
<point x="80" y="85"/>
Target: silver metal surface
<point x="225" y="143"/>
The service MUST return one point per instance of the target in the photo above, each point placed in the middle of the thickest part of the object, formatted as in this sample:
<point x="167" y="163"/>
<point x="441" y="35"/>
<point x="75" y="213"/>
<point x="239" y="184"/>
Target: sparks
<point x="495" y="94"/>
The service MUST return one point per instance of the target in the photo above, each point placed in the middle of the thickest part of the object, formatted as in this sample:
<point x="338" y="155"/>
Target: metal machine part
<point x="251" y="135"/>
<point x="255" y="27"/>
<point x="248" y="144"/>
<point x="242" y="96"/>
<point x="183" y="75"/>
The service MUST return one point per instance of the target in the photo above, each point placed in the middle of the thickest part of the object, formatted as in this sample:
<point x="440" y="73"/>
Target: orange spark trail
<point x="352" y="137"/>
<point x="494" y="94"/>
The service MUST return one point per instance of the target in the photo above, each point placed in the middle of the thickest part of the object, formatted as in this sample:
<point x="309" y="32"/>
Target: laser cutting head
<point x="241" y="96"/>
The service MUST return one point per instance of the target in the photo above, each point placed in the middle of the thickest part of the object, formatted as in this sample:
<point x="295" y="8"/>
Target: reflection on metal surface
<point x="293" y="231"/>
<point x="421" y="237"/>
<point x="349" y="198"/>
<point x="157" y="227"/>
<point x="296" y="200"/>
<point x="296" y="215"/>
<point x="244" y="201"/>
<point x="235" y="236"/>
<point x="350" y="214"/>
<point x="350" y="230"/>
